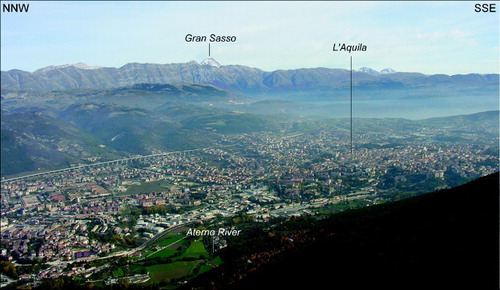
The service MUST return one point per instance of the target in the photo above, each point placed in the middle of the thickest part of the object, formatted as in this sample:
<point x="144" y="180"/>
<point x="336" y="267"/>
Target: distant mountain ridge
<point x="79" y="65"/>
<point x="234" y="78"/>
<point x="376" y="73"/>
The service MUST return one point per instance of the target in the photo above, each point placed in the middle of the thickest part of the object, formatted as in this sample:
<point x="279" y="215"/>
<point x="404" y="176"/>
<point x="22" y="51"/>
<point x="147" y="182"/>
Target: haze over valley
<point x="249" y="145"/>
<point x="108" y="172"/>
<point x="146" y="108"/>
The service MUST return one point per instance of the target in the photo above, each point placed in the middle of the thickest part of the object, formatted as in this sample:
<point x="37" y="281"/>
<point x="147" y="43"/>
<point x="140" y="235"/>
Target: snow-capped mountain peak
<point x="210" y="62"/>
<point x="368" y="71"/>
<point x="387" y="71"/>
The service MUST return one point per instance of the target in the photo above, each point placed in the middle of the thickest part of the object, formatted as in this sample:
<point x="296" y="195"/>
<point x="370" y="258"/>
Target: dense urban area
<point x="78" y="222"/>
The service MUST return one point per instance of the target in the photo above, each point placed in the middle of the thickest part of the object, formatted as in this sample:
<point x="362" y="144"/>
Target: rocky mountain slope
<point x="235" y="78"/>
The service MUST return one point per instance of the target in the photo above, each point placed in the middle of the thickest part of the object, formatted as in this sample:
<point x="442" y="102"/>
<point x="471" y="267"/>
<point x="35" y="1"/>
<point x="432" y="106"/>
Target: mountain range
<point x="374" y="72"/>
<point x="67" y="114"/>
<point x="234" y="78"/>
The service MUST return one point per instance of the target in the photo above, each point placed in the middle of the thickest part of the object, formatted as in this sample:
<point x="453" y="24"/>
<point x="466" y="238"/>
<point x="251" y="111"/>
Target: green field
<point x="204" y="269"/>
<point x="177" y="250"/>
<point x="178" y="268"/>
<point x="173" y="270"/>
<point x="216" y="261"/>
<point x="195" y="250"/>
<point x="118" y="273"/>
<point x="172" y="240"/>
<point x="165" y="253"/>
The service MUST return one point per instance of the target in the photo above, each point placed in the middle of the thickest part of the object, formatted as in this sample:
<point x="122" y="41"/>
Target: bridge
<point x="116" y="161"/>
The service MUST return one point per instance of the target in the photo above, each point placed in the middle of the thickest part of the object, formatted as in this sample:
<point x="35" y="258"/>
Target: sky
<point x="428" y="37"/>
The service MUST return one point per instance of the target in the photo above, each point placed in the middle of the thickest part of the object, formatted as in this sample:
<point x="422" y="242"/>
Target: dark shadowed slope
<point x="441" y="240"/>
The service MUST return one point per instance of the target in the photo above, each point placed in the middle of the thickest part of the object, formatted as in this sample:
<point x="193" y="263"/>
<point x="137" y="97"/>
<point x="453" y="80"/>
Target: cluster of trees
<point x="129" y="241"/>
<point x="133" y="212"/>
<point x="9" y="269"/>
<point x="242" y="217"/>
<point x="159" y="209"/>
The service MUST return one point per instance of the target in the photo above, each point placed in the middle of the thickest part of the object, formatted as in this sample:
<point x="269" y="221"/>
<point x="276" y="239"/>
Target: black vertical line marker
<point x="351" y="108"/>
<point x="209" y="49"/>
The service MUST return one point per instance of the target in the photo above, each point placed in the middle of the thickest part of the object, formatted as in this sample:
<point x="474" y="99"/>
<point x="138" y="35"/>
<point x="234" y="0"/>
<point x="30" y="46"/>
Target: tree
<point x="53" y="284"/>
<point x="123" y="282"/>
<point x="9" y="269"/>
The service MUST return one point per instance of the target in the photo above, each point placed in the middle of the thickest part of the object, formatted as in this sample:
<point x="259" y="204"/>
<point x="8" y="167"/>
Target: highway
<point x="116" y="161"/>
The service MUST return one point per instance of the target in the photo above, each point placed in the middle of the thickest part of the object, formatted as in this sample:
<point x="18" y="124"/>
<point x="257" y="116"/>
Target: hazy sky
<point x="428" y="37"/>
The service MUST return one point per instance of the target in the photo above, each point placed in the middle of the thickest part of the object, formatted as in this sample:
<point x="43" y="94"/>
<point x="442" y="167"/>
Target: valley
<point x="103" y="186"/>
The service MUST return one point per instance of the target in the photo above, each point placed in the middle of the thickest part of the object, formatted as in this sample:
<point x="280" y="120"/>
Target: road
<point x="116" y="161"/>
<point x="164" y="247"/>
<point x="123" y="253"/>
